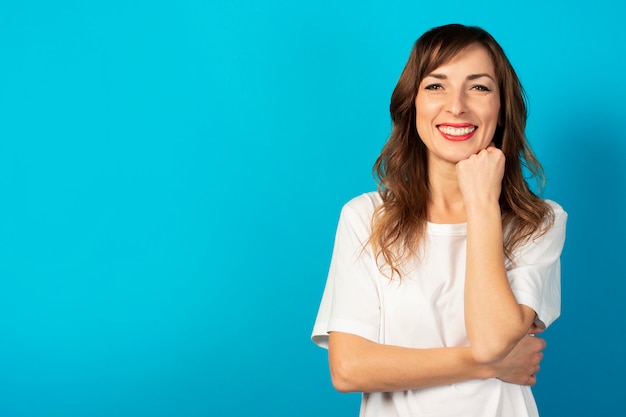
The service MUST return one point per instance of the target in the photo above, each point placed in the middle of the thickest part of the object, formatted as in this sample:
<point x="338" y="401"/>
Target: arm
<point x="357" y="364"/>
<point x="494" y="320"/>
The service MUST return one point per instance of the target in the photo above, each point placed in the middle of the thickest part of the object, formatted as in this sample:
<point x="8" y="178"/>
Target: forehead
<point x="472" y="59"/>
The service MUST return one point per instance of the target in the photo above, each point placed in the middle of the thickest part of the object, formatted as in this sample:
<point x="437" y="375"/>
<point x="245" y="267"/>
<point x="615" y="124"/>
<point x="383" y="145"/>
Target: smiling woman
<point x="460" y="102"/>
<point x="440" y="281"/>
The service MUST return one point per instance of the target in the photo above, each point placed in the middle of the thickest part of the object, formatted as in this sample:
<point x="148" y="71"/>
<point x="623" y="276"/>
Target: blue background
<point x="171" y="175"/>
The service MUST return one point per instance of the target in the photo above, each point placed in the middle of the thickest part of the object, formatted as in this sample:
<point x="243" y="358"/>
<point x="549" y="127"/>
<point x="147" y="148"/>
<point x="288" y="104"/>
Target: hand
<point x="480" y="175"/>
<point x="521" y="365"/>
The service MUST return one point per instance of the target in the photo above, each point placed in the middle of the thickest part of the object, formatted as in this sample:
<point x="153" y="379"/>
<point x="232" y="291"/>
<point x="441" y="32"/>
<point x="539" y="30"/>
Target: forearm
<point x="358" y="364"/>
<point x="494" y="320"/>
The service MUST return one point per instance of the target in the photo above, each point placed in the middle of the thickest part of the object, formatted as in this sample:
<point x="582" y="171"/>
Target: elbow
<point x="342" y="375"/>
<point x="341" y="384"/>
<point x="349" y="362"/>
<point x="492" y="345"/>
<point x="488" y="353"/>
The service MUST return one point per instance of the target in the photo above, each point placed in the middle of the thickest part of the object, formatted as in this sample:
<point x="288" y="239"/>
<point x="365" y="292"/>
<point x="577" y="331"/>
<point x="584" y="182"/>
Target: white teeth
<point x="456" y="131"/>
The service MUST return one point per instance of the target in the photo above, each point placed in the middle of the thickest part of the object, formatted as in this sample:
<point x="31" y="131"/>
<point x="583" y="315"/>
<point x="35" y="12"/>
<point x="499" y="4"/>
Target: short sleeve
<point x="535" y="274"/>
<point x="350" y="302"/>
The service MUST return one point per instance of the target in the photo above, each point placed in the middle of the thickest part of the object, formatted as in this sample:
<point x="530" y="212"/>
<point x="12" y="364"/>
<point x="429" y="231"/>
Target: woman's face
<point x="458" y="106"/>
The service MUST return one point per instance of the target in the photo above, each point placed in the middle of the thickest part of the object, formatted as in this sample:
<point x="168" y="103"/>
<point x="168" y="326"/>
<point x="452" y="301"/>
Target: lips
<point x="457" y="132"/>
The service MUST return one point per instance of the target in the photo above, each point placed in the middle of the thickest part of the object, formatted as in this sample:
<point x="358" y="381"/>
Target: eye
<point x="480" y="87"/>
<point x="434" y="86"/>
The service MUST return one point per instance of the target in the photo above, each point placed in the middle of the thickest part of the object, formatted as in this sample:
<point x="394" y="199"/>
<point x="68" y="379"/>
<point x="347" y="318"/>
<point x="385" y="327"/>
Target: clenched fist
<point x="521" y="365"/>
<point x="480" y="176"/>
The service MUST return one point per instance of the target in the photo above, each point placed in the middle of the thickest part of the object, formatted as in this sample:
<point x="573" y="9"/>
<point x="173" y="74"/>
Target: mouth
<point x="457" y="133"/>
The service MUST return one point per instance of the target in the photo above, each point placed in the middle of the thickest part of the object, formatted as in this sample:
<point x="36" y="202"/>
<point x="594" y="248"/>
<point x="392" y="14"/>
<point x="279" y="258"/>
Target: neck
<point x="446" y="201"/>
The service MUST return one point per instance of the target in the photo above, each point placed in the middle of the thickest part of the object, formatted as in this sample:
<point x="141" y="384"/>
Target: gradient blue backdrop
<point x="171" y="174"/>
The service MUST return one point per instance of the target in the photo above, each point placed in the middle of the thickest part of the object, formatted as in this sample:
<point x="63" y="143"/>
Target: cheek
<point x="423" y="119"/>
<point x="425" y="111"/>
<point x="494" y="112"/>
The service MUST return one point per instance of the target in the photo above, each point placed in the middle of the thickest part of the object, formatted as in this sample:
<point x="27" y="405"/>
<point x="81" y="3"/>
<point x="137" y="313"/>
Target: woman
<point x="440" y="280"/>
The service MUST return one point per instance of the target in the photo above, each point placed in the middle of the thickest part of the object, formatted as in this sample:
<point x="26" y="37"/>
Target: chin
<point x="467" y="151"/>
<point x="460" y="155"/>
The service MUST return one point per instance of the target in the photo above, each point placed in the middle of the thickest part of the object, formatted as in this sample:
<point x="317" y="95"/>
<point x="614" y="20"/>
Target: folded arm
<point x="360" y="365"/>
<point x="494" y="320"/>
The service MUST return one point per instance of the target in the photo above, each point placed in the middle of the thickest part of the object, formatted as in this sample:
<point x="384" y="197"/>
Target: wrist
<point x="488" y="371"/>
<point x="483" y="209"/>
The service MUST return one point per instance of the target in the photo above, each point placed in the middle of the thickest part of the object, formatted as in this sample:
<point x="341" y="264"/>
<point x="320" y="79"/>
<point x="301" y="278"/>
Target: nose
<point x="456" y="103"/>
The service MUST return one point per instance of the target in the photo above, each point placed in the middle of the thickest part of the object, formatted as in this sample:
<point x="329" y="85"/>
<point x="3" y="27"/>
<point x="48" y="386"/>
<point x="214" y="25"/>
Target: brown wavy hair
<point x="401" y="170"/>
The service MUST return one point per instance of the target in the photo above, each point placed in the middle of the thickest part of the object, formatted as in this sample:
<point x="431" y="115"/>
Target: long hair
<point x="401" y="170"/>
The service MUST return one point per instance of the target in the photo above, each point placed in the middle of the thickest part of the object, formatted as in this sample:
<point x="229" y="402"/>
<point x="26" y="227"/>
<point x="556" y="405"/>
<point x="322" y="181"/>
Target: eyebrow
<point x="470" y="77"/>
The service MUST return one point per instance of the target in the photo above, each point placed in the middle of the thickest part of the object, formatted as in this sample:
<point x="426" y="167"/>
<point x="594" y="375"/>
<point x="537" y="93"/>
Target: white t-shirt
<point x="425" y="309"/>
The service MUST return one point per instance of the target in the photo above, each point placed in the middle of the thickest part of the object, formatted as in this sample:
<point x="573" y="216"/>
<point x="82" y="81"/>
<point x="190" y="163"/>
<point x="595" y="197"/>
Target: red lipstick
<point x="457" y="132"/>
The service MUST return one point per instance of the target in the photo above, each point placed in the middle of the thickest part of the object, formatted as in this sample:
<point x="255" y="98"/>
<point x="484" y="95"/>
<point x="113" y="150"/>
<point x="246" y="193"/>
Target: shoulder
<point x="357" y="213"/>
<point x="553" y="231"/>
<point x="545" y="245"/>
<point x="556" y="208"/>
<point x="560" y="215"/>
<point x="362" y="207"/>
